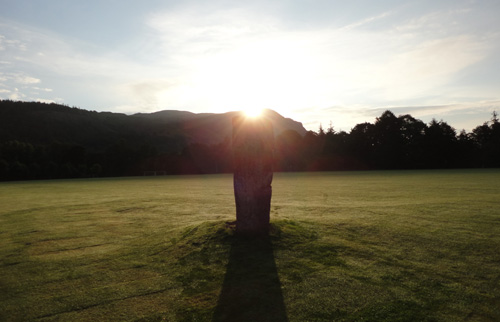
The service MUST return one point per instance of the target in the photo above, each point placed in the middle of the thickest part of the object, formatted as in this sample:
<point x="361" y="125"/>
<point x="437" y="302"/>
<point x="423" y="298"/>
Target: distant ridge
<point x="42" y="123"/>
<point x="213" y="128"/>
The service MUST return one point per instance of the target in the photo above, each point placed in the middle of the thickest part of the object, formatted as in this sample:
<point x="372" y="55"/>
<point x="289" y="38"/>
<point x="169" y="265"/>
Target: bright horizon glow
<point x="253" y="112"/>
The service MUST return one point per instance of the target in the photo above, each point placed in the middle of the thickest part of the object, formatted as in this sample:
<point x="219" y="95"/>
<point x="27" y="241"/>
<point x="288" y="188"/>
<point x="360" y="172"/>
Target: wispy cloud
<point x="27" y="80"/>
<point x="425" y="68"/>
<point x="68" y="66"/>
<point x="365" y="21"/>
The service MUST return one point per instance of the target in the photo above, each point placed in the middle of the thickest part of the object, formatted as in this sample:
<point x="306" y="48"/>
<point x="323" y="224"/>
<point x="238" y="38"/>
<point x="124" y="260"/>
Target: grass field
<point x="345" y="246"/>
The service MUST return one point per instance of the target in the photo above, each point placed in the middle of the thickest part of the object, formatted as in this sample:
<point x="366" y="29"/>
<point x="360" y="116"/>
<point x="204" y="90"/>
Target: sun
<point x="253" y="112"/>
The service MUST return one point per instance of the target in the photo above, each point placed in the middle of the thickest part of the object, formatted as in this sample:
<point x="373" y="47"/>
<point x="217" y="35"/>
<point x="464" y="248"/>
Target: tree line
<point x="391" y="142"/>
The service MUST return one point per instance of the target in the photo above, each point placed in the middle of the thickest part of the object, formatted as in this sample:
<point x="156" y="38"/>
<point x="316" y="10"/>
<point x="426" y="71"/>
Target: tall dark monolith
<point x="253" y="142"/>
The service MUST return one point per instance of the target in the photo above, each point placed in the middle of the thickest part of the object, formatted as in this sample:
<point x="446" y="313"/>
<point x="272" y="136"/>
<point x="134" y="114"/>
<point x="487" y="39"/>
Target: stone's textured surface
<point x="253" y="144"/>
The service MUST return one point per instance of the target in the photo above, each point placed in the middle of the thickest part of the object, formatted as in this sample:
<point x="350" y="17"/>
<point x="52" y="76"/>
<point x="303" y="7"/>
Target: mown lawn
<point x="344" y="246"/>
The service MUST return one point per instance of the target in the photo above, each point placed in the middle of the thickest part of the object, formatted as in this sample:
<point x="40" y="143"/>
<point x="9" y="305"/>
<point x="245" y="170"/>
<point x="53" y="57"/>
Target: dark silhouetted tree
<point x="487" y="139"/>
<point x="388" y="142"/>
<point x="412" y="133"/>
<point x="467" y="151"/>
<point x="362" y="144"/>
<point x="440" y="145"/>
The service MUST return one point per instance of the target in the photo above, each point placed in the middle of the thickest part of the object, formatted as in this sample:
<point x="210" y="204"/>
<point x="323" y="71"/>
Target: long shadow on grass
<point x="251" y="290"/>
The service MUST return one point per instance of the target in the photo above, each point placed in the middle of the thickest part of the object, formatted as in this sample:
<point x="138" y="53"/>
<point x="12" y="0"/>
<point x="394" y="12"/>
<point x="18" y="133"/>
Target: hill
<point x="210" y="128"/>
<point x="40" y="123"/>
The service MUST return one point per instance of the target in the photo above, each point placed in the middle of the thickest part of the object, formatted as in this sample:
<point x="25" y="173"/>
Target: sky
<point x="317" y="62"/>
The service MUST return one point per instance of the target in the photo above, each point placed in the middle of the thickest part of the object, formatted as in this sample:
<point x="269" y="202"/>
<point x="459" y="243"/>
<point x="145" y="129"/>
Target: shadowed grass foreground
<point x="251" y="290"/>
<point x="359" y="246"/>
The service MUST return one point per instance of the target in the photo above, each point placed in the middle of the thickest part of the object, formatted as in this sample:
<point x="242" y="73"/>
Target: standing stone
<point x="253" y="142"/>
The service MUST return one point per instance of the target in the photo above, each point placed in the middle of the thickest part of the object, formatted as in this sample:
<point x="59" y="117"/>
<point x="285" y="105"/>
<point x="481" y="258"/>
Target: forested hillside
<point x="39" y="141"/>
<point x="44" y="141"/>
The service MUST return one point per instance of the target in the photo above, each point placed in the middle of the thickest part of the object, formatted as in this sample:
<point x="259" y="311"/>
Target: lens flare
<point x="253" y="112"/>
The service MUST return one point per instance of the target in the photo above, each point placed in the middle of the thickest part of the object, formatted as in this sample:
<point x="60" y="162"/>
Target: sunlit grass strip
<point x="379" y="246"/>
